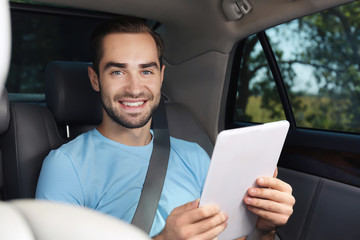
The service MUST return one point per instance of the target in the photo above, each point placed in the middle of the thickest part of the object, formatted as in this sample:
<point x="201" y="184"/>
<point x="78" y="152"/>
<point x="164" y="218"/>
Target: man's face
<point x="130" y="78"/>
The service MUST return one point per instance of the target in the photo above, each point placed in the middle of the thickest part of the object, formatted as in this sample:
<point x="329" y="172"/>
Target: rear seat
<point x="73" y="108"/>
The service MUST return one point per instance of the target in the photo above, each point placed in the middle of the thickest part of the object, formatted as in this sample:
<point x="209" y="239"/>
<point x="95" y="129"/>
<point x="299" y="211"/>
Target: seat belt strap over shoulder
<point x="156" y="173"/>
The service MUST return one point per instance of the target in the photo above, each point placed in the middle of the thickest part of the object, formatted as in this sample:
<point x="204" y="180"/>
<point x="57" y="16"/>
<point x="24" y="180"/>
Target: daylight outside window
<point x="257" y="99"/>
<point x="319" y="59"/>
<point x="319" y="56"/>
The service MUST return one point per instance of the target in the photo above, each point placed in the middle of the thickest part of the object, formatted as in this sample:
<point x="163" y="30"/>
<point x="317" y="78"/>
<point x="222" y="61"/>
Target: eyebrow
<point x="124" y="65"/>
<point x="148" y="65"/>
<point x="114" y="64"/>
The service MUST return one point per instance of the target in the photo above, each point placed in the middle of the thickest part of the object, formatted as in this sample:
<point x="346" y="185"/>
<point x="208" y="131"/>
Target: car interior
<point x="206" y="49"/>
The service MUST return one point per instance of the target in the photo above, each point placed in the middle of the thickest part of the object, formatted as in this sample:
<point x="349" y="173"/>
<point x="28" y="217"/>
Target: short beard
<point x="126" y="121"/>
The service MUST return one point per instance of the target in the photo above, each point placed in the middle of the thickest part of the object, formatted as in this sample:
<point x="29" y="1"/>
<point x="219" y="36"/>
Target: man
<point x="104" y="169"/>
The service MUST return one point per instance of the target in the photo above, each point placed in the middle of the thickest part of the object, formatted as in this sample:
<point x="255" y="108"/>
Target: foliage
<point x="329" y="43"/>
<point x="334" y="51"/>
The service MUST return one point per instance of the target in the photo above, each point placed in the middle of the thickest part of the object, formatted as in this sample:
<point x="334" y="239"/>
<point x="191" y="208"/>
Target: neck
<point x="128" y="136"/>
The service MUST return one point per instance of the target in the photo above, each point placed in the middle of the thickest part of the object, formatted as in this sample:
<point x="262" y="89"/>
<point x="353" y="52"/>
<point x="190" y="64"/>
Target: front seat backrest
<point x="4" y="111"/>
<point x="4" y="124"/>
<point x="42" y="220"/>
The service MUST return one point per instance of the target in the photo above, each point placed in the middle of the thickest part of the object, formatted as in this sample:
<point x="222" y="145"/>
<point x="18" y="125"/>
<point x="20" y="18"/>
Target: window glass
<point x="257" y="99"/>
<point x="39" y="37"/>
<point x="319" y="56"/>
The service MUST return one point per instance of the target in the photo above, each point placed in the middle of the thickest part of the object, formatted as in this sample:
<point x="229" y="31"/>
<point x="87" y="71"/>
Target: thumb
<point x="187" y="207"/>
<point x="275" y="173"/>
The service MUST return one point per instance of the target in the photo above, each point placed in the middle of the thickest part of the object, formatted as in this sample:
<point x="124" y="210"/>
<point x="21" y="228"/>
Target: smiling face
<point x="130" y="78"/>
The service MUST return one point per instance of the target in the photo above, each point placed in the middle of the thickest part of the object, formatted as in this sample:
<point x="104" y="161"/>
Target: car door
<point x="307" y="71"/>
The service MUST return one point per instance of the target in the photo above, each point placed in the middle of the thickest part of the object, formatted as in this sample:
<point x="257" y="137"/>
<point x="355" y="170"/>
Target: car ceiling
<point x="181" y="20"/>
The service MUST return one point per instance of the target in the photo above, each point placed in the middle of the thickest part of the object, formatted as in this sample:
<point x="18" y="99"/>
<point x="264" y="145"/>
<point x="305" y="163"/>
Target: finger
<point x="190" y="213"/>
<point x="276" y="219"/>
<point x="274" y="183"/>
<point x="202" y="213"/>
<point x="275" y="173"/>
<point x="186" y="207"/>
<point x="210" y="223"/>
<point x="272" y="194"/>
<point x="269" y="206"/>
<point x="212" y="233"/>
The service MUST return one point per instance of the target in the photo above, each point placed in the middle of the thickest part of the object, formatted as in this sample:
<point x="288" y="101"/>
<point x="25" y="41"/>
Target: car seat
<point x="42" y="220"/>
<point x="31" y="134"/>
<point x="4" y="124"/>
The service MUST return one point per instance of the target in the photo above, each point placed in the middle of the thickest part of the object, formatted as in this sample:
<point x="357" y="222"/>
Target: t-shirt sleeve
<point x="59" y="181"/>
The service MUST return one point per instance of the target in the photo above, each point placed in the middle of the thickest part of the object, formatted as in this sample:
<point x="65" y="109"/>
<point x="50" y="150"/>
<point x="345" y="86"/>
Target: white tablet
<point x="241" y="156"/>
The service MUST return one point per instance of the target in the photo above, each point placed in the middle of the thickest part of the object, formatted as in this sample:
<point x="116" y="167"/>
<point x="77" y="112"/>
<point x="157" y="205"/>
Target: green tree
<point x="328" y="42"/>
<point x="334" y="37"/>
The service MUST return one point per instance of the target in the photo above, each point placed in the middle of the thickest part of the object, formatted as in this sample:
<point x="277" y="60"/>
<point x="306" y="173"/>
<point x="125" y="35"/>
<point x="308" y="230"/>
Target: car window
<point x="257" y="99"/>
<point x="41" y="34"/>
<point x="319" y="59"/>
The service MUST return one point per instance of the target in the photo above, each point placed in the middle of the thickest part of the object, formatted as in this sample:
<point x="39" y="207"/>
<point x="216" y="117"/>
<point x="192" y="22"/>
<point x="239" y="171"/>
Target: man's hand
<point x="272" y="201"/>
<point x="190" y="221"/>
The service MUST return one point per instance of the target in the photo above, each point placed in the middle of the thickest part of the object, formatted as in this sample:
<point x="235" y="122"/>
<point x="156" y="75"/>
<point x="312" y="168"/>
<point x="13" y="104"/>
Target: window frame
<point x="275" y="71"/>
<point x="325" y="153"/>
<point x="51" y="10"/>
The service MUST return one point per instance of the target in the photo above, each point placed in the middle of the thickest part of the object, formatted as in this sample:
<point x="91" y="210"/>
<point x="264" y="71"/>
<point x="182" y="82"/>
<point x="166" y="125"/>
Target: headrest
<point x="41" y="220"/>
<point x="4" y="111"/>
<point x="69" y="94"/>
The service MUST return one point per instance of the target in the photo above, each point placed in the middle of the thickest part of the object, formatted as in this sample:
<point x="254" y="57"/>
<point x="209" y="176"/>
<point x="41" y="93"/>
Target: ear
<point x="162" y="73"/>
<point x="94" y="79"/>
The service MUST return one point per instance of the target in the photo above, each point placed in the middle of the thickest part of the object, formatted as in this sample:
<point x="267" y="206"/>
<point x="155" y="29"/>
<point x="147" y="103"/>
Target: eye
<point x="146" y="72"/>
<point x="117" y="73"/>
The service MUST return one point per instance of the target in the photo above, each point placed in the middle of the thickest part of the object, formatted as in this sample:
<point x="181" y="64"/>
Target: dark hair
<point x="122" y="24"/>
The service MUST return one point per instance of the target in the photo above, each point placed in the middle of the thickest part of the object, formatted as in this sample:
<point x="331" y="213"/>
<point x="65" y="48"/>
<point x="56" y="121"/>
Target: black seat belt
<point x="155" y="176"/>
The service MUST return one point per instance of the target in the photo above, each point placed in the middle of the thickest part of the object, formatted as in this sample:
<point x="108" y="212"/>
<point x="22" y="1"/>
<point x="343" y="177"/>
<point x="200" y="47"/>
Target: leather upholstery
<point x="69" y="94"/>
<point x="324" y="209"/>
<point x="4" y="111"/>
<point x="4" y="123"/>
<point x="30" y="220"/>
<point x="32" y="133"/>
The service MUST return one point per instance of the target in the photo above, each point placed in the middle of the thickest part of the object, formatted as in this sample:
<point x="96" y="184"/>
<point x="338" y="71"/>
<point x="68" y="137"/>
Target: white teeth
<point x="133" y="104"/>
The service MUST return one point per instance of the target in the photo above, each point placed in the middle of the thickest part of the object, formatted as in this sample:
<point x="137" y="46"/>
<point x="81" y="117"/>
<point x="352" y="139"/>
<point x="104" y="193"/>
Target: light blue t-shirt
<point x="95" y="172"/>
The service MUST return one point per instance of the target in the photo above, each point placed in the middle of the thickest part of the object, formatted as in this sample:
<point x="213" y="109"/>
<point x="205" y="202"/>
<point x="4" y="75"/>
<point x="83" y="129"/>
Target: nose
<point x="134" y="85"/>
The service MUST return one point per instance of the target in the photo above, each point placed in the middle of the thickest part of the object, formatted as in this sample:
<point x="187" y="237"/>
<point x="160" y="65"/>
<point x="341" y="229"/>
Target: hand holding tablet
<point x="241" y="156"/>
